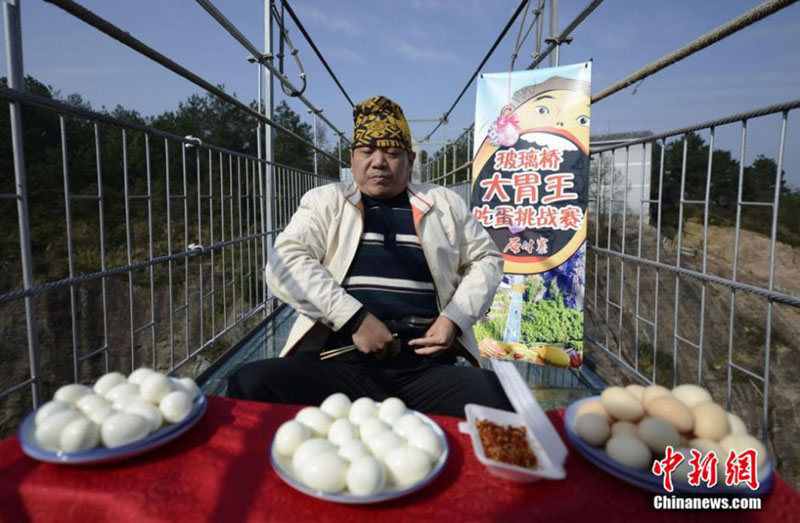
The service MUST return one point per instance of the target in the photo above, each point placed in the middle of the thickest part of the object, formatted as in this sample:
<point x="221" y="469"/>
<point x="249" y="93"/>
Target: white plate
<point x="646" y="479"/>
<point x="283" y="467"/>
<point x="103" y="454"/>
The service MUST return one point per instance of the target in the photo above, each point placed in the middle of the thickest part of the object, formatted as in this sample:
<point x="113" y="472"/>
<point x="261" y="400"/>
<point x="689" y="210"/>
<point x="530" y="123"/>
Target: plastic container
<point x="547" y="468"/>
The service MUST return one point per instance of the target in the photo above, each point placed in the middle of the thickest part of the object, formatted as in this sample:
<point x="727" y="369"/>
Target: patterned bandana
<point x="379" y="122"/>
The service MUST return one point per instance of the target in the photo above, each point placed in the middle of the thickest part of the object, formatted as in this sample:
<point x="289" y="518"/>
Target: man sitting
<point x="400" y="270"/>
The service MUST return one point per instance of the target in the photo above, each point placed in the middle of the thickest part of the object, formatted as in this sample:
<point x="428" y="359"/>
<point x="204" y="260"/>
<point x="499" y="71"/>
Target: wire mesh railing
<point x="138" y="246"/>
<point x="671" y="293"/>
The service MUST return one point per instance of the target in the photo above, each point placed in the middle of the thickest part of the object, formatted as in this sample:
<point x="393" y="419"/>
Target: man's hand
<point x="373" y="337"/>
<point x="438" y="337"/>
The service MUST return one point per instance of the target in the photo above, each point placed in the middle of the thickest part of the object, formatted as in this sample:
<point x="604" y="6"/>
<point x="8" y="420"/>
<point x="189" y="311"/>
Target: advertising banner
<point x="530" y="184"/>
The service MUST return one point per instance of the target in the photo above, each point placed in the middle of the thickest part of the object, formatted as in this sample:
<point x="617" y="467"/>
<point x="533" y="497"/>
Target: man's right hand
<point x="373" y="337"/>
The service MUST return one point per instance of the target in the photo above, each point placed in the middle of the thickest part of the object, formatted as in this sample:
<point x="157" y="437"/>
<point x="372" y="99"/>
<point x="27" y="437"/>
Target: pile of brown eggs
<point x="635" y="424"/>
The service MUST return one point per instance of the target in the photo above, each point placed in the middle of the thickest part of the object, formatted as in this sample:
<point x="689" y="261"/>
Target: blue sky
<point x="421" y="52"/>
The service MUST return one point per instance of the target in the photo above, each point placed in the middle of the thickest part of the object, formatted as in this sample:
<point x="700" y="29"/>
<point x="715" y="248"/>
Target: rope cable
<point x="310" y="41"/>
<point x="740" y="22"/>
<point x="478" y="69"/>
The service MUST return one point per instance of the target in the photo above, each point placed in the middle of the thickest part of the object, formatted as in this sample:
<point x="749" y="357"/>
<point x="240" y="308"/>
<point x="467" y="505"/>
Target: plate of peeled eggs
<point x="116" y="418"/>
<point x="626" y="429"/>
<point x="358" y="452"/>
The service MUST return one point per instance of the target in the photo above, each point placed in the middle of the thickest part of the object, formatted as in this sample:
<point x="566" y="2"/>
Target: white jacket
<point x="312" y="256"/>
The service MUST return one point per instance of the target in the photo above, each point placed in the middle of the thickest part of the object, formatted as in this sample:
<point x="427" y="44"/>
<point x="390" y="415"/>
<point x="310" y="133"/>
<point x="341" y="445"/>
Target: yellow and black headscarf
<point x="379" y="122"/>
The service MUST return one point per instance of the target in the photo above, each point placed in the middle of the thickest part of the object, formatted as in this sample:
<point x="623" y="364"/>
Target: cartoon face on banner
<point x="530" y="186"/>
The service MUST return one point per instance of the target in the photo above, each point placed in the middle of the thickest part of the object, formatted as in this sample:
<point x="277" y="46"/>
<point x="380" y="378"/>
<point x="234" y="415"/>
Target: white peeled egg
<point x="361" y="409"/>
<point x="123" y="389"/>
<point x="307" y="450"/>
<point x="325" y="472"/>
<point x="50" y="408"/>
<point x="316" y="420"/>
<point x="353" y="449"/>
<point x="336" y="405"/>
<point x="71" y="393"/>
<point x="365" y="476"/>
<point x="384" y="442"/>
<point x="371" y="427"/>
<point x="108" y="382"/>
<point x="155" y="386"/>
<point x="100" y="415"/>
<point x="80" y="434"/>
<point x="424" y="438"/>
<point x="189" y="386"/>
<point x="124" y="401"/>
<point x="91" y="403"/>
<point x="391" y="410"/>
<point x="123" y="428"/>
<point x="407" y="465"/>
<point x="139" y="375"/>
<point x="148" y="411"/>
<point x="289" y="436"/>
<point x="407" y="424"/>
<point x="342" y="431"/>
<point x="48" y="432"/>
<point x="175" y="406"/>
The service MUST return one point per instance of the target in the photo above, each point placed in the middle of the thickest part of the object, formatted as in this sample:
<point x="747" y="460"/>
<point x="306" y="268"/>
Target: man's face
<point x="381" y="172"/>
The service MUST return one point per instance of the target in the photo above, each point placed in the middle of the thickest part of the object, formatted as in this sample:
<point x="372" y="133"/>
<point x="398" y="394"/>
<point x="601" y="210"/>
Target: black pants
<point x="430" y="385"/>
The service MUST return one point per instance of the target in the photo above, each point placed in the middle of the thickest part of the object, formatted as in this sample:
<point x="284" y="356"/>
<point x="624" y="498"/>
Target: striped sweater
<point x="389" y="274"/>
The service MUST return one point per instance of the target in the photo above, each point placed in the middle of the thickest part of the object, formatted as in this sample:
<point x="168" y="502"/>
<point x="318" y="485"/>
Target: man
<point x="400" y="270"/>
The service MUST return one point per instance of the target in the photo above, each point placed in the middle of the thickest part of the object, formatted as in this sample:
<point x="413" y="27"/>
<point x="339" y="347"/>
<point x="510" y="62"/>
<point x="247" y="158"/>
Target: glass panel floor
<point x="552" y="387"/>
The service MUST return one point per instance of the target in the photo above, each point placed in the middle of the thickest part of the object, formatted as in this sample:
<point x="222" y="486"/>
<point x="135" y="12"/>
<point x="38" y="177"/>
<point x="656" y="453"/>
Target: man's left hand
<point x="438" y="337"/>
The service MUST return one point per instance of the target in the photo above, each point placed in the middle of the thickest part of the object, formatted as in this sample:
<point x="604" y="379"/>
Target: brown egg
<point x="672" y="411"/>
<point x="595" y="406"/>
<point x="593" y="428"/>
<point x="652" y="392"/>
<point x="710" y="421"/>
<point x="690" y="394"/>
<point x="741" y="442"/>
<point x="623" y="428"/>
<point x="736" y="424"/>
<point x="621" y="404"/>
<point x="636" y="390"/>
<point x="657" y="434"/>
<point x="630" y="451"/>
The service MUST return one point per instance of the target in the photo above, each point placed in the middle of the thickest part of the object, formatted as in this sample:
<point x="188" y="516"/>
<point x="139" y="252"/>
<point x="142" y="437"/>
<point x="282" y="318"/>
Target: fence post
<point x="16" y="80"/>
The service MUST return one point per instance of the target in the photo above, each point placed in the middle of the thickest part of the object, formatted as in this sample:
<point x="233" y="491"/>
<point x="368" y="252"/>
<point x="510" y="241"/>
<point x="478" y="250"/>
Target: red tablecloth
<point x="219" y="470"/>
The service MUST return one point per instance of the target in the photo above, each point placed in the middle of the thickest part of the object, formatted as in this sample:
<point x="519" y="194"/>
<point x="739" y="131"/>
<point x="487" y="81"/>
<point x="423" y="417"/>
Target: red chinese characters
<point x="556" y="188"/>
<point x="511" y="160"/>
<point x="667" y="466"/>
<point x="739" y="468"/>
